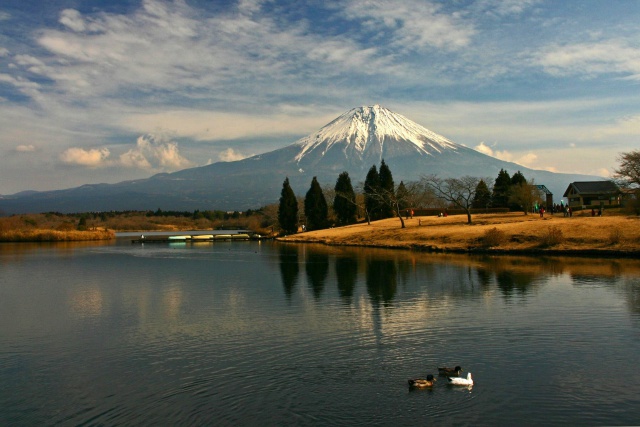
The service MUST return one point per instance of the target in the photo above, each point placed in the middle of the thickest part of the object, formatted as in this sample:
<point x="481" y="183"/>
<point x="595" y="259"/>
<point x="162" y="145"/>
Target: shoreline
<point x="616" y="236"/>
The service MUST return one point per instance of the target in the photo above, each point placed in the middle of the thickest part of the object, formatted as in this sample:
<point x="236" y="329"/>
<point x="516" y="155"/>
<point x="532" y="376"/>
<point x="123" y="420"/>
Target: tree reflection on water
<point x="444" y="275"/>
<point x="381" y="280"/>
<point x="289" y="268"/>
<point x="317" y="269"/>
<point x="346" y="274"/>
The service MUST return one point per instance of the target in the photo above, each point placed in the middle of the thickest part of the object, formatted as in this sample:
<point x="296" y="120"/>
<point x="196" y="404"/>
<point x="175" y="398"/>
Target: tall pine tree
<point x="482" y="196"/>
<point x="344" y="203"/>
<point x="288" y="209"/>
<point x="315" y="207"/>
<point x="371" y="190"/>
<point x="500" y="195"/>
<point x="517" y="182"/>
<point x="387" y="188"/>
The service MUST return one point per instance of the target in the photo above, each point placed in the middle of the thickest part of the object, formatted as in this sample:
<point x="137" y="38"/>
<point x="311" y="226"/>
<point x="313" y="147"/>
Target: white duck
<point x="461" y="381"/>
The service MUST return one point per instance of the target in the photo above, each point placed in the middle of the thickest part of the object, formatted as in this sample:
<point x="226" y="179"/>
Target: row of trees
<point x="379" y="198"/>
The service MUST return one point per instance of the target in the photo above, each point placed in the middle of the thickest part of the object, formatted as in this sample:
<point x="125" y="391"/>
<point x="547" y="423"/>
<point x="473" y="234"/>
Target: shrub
<point x="615" y="236"/>
<point x="552" y="237"/>
<point x="65" y="226"/>
<point x="493" y="237"/>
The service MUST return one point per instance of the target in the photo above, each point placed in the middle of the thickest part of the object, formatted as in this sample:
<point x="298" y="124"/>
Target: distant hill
<point x="353" y="142"/>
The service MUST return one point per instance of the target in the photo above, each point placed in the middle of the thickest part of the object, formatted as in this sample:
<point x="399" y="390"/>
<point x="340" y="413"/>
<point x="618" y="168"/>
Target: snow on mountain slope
<point x="365" y="129"/>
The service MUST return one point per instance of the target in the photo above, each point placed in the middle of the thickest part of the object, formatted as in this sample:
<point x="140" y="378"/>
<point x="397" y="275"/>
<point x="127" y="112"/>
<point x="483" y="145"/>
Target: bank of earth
<point x="607" y="235"/>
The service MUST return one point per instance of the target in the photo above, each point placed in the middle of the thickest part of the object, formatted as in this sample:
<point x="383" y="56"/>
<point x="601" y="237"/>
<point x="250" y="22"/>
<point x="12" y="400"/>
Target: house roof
<point x="592" y="187"/>
<point x="544" y="189"/>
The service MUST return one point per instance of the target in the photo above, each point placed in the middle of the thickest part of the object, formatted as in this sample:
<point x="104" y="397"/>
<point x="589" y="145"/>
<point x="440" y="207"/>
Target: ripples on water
<point x="267" y="334"/>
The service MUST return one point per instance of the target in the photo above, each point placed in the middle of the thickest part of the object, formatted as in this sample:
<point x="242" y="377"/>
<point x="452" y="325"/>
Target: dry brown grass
<point x="48" y="235"/>
<point x="521" y="233"/>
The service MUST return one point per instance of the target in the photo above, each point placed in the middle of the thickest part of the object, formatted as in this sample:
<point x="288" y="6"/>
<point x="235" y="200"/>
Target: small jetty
<point x="196" y="238"/>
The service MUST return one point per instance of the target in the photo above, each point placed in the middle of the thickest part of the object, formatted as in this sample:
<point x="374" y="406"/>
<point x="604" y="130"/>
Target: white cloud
<point x="484" y="149"/>
<point x="230" y="155"/>
<point x="528" y="159"/>
<point x="72" y="19"/>
<point x="93" y="158"/>
<point x="25" y="148"/>
<point x="152" y="152"/>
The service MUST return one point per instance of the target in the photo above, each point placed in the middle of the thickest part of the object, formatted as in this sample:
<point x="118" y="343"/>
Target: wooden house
<point x="592" y="193"/>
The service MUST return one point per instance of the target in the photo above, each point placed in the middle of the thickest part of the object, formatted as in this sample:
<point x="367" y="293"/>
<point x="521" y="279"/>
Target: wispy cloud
<point x="413" y="24"/>
<point x="592" y="59"/>
<point x="504" y="8"/>
<point x="26" y="148"/>
<point x="529" y="159"/>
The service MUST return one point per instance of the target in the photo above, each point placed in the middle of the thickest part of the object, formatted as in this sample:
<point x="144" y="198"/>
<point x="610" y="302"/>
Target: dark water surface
<point x="249" y="333"/>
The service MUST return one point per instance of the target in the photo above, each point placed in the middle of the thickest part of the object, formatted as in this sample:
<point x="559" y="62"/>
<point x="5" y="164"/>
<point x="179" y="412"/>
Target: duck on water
<point x="422" y="382"/>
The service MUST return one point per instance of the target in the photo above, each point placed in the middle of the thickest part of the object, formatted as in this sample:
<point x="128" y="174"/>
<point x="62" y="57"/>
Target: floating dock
<point x="196" y="238"/>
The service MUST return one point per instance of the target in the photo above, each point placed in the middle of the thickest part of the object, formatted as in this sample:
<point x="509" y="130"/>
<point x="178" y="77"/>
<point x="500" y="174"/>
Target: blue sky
<point x="103" y="91"/>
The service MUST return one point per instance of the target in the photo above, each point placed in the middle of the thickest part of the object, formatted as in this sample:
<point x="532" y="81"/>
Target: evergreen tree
<point x="315" y="207"/>
<point x="518" y="179"/>
<point x="371" y="190"/>
<point x="387" y="188"/>
<point x="500" y="195"/>
<point x="482" y="197"/>
<point x="288" y="209"/>
<point x="517" y="182"/>
<point x="344" y="203"/>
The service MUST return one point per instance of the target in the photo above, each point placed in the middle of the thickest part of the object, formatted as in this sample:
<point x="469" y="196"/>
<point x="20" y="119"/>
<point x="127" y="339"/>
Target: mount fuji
<point x="353" y="142"/>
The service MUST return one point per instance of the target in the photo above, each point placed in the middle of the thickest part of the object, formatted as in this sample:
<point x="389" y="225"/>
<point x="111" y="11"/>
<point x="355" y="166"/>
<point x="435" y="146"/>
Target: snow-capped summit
<point x="370" y="134"/>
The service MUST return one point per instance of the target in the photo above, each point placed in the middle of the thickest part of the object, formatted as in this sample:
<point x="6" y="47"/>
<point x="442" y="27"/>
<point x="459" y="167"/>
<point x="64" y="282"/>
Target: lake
<point x="264" y="333"/>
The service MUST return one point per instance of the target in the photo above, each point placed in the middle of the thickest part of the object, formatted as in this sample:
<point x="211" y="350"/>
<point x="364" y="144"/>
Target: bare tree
<point x="525" y="195"/>
<point x="628" y="174"/>
<point x="460" y="192"/>
<point x="395" y="200"/>
<point x="411" y="194"/>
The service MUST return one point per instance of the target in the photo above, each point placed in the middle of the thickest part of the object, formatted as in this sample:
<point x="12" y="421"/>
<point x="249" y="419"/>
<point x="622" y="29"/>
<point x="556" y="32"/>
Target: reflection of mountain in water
<point x="381" y="280"/>
<point x="289" y="268"/>
<point x="317" y="268"/>
<point x="346" y="274"/>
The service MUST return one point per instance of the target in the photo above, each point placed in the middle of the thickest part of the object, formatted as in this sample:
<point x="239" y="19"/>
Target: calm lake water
<point x="250" y="333"/>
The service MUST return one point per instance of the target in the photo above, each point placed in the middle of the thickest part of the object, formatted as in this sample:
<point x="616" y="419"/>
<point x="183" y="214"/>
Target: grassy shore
<point x="494" y="233"/>
<point x="48" y="235"/>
